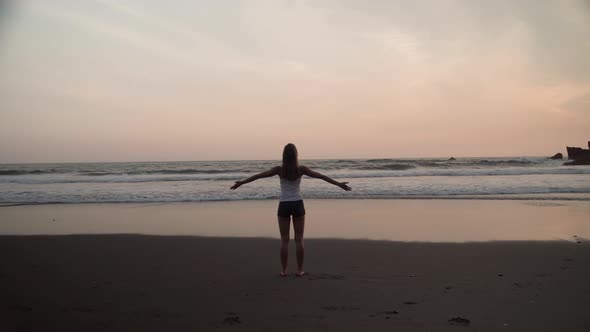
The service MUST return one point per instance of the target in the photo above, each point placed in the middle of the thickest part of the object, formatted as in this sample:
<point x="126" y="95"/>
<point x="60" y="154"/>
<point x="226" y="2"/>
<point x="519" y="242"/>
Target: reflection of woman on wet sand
<point x="291" y="203"/>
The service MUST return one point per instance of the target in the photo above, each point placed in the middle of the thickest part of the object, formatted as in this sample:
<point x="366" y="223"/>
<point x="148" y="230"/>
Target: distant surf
<point x="466" y="178"/>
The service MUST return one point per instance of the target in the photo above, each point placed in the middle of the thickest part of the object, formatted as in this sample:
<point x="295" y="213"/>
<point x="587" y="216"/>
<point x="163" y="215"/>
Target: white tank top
<point x="290" y="190"/>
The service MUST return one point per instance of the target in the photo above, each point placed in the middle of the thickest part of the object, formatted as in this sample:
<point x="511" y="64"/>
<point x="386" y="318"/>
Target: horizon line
<point x="235" y="160"/>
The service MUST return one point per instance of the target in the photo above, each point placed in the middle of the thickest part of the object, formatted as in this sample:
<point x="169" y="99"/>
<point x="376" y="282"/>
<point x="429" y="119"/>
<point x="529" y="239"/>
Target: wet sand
<point x="396" y="220"/>
<point x="156" y="283"/>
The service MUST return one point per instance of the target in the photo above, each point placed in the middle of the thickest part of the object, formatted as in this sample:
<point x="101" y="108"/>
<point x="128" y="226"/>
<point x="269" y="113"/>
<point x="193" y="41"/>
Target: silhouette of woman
<point x="291" y="203"/>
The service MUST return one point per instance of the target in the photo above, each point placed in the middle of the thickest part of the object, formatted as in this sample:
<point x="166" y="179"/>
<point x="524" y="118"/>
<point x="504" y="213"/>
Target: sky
<point x="131" y="80"/>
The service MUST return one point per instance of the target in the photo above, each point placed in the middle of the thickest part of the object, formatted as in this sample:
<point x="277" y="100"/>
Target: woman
<point x="291" y="203"/>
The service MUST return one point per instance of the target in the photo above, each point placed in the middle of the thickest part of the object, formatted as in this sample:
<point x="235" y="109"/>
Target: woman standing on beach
<point x="291" y="203"/>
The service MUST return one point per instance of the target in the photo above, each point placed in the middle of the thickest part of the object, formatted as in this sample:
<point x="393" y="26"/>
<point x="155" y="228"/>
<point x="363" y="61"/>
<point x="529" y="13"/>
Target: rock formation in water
<point x="578" y="156"/>
<point x="556" y="156"/>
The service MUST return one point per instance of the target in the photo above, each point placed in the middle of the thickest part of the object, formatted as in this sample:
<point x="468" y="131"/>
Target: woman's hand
<point x="236" y="185"/>
<point x="344" y="186"/>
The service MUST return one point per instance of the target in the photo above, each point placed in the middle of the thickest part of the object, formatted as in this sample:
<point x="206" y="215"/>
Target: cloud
<point x="132" y="38"/>
<point x="405" y="45"/>
<point x="558" y="30"/>
<point x="579" y="104"/>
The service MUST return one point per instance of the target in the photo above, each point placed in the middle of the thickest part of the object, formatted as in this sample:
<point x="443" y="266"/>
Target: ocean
<point x="527" y="178"/>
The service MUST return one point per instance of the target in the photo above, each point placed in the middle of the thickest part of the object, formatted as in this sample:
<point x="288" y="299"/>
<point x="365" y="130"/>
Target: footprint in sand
<point x="20" y="307"/>
<point x="385" y="314"/>
<point x="83" y="309"/>
<point x="523" y="284"/>
<point x="459" y="321"/>
<point x="232" y="319"/>
<point x="308" y="316"/>
<point x="340" y="308"/>
<point x="324" y="276"/>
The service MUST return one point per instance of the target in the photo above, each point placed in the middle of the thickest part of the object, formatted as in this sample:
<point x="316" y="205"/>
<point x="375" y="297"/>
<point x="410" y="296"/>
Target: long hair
<point x="290" y="169"/>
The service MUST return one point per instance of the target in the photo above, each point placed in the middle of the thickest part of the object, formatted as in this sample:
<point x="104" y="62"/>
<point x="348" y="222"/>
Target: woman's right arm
<point x="271" y="172"/>
<point x="307" y="171"/>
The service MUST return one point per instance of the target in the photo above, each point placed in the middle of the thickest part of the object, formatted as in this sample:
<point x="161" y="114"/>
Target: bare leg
<point x="299" y="226"/>
<point x="284" y="225"/>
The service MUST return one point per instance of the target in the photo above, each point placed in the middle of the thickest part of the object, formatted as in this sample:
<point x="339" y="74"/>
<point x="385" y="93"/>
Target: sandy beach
<point x="155" y="283"/>
<point x="106" y="282"/>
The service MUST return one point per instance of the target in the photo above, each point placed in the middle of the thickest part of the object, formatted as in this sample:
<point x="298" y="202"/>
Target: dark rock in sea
<point x="579" y="156"/>
<point x="556" y="156"/>
<point x="452" y="158"/>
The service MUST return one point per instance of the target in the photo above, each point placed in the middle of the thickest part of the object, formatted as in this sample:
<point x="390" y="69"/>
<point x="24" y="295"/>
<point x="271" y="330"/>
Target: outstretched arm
<point x="306" y="171"/>
<point x="271" y="172"/>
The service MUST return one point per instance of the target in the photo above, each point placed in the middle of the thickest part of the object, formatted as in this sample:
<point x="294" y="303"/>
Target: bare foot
<point x="283" y="274"/>
<point x="300" y="274"/>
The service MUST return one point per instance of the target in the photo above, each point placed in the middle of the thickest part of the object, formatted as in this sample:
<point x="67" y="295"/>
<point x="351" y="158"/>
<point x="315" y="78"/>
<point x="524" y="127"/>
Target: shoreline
<point x="376" y="219"/>
<point x="582" y="197"/>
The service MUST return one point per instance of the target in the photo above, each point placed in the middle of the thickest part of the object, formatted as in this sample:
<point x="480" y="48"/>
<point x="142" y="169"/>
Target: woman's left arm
<point x="271" y="172"/>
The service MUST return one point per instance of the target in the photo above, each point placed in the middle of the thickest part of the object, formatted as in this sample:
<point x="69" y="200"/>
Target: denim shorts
<point x="291" y="208"/>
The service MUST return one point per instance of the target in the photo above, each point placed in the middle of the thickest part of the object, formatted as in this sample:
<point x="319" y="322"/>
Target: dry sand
<point x="158" y="283"/>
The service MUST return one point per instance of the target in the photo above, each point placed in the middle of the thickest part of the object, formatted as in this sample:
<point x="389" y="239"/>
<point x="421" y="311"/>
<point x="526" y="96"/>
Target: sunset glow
<point x="226" y="80"/>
